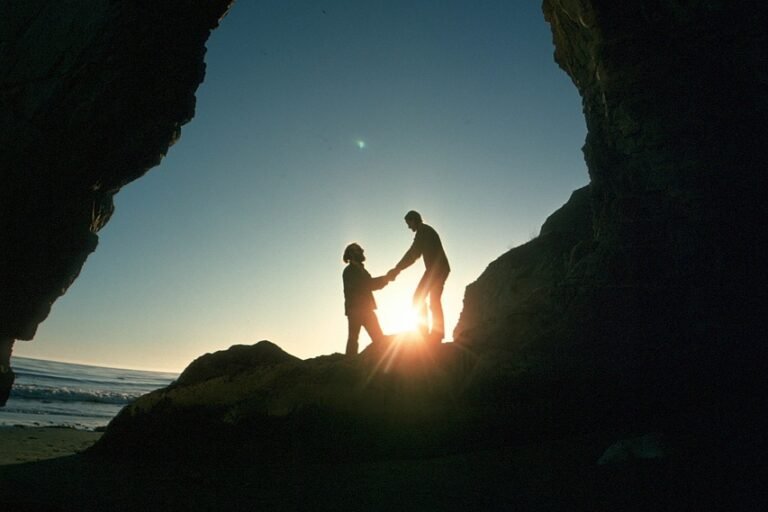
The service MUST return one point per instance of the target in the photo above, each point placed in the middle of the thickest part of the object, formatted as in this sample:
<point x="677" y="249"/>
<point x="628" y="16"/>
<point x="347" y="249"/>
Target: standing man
<point x="427" y="245"/>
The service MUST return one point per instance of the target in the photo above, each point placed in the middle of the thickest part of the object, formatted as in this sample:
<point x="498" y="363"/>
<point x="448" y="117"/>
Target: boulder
<point x="231" y="362"/>
<point x="518" y="289"/>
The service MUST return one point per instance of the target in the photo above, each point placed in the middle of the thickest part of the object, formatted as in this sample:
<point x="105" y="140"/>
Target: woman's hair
<point x="348" y="251"/>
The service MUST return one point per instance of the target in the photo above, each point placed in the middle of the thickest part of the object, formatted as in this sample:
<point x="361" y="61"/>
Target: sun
<point x="397" y="317"/>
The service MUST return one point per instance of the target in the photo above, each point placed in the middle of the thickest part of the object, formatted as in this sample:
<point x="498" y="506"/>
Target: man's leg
<point x="436" y="307"/>
<point x="373" y="327"/>
<point x="420" y="305"/>
<point x="354" y="324"/>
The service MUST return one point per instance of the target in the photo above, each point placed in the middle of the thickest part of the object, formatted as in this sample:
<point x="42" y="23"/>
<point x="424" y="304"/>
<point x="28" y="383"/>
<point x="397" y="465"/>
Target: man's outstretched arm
<point x="410" y="256"/>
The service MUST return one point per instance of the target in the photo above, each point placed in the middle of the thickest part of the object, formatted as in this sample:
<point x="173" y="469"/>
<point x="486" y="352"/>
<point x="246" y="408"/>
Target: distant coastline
<point x="84" y="397"/>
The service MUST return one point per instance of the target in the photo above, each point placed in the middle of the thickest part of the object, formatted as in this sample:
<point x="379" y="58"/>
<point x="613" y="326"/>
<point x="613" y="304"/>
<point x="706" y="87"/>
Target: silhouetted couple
<point x="359" y="304"/>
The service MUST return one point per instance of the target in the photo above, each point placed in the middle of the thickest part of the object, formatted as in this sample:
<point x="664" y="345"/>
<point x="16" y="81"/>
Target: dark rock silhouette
<point x="92" y="94"/>
<point x="637" y="311"/>
<point x="261" y="399"/>
<point x="235" y="360"/>
<point x="674" y="103"/>
<point x="523" y="285"/>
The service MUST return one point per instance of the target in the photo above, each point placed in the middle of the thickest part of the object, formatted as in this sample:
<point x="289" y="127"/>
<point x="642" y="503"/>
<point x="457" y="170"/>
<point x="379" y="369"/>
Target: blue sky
<point x="237" y="236"/>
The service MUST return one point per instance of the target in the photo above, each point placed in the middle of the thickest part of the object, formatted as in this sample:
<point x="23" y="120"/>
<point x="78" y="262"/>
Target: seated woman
<point x="359" y="305"/>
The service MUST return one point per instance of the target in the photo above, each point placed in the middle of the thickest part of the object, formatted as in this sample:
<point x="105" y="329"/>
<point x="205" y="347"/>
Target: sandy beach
<point x="30" y="444"/>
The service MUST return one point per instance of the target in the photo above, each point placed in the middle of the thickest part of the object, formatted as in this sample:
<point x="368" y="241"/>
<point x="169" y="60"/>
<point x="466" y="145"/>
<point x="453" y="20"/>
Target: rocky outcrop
<point x="92" y="94"/>
<point x="673" y="95"/>
<point x="402" y="399"/>
<point x="507" y="302"/>
<point x="231" y="362"/>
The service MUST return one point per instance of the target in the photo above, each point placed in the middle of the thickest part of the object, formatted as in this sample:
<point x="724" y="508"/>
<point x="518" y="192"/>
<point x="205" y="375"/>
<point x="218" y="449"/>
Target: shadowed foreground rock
<point x="406" y="399"/>
<point x="344" y="430"/>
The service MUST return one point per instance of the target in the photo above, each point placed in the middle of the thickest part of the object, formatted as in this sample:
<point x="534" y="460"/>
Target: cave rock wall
<point x="92" y="94"/>
<point x="673" y="93"/>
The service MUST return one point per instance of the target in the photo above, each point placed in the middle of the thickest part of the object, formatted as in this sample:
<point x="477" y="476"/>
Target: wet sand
<point x="31" y="444"/>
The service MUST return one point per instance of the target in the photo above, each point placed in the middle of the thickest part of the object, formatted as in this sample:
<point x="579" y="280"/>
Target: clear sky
<point x="320" y="124"/>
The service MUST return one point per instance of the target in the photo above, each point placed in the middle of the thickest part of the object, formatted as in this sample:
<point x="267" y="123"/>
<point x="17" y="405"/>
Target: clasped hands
<point x="392" y="274"/>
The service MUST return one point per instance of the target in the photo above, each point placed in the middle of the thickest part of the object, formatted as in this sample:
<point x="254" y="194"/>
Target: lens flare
<point x="397" y="317"/>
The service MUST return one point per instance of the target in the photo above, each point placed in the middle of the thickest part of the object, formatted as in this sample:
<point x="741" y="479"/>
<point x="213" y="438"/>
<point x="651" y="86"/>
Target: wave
<point x="68" y="373"/>
<point x="63" y="394"/>
<point x="137" y="380"/>
<point x="53" y="414"/>
<point x="61" y="379"/>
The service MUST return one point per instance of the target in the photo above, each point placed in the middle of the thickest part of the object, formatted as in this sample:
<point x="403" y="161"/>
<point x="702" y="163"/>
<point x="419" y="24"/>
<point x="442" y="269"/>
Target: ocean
<point x="54" y="394"/>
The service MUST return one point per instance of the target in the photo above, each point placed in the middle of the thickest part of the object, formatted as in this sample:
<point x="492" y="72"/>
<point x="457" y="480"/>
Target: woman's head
<point x="354" y="252"/>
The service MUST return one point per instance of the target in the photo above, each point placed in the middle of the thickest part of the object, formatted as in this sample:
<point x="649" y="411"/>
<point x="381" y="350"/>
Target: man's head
<point x="413" y="219"/>
<point x="354" y="252"/>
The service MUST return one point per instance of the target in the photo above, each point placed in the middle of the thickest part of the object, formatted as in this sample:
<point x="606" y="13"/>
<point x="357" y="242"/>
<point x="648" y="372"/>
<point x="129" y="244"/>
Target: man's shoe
<point x="436" y="338"/>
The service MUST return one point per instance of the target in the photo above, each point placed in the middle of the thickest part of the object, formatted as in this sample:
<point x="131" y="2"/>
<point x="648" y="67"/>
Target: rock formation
<point x="92" y="94"/>
<point x="500" y="307"/>
<point x="400" y="400"/>
<point x="674" y="98"/>
<point x="639" y="308"/>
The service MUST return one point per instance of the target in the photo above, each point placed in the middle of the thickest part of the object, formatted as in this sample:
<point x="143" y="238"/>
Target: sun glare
<point x="397" y="317"/>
